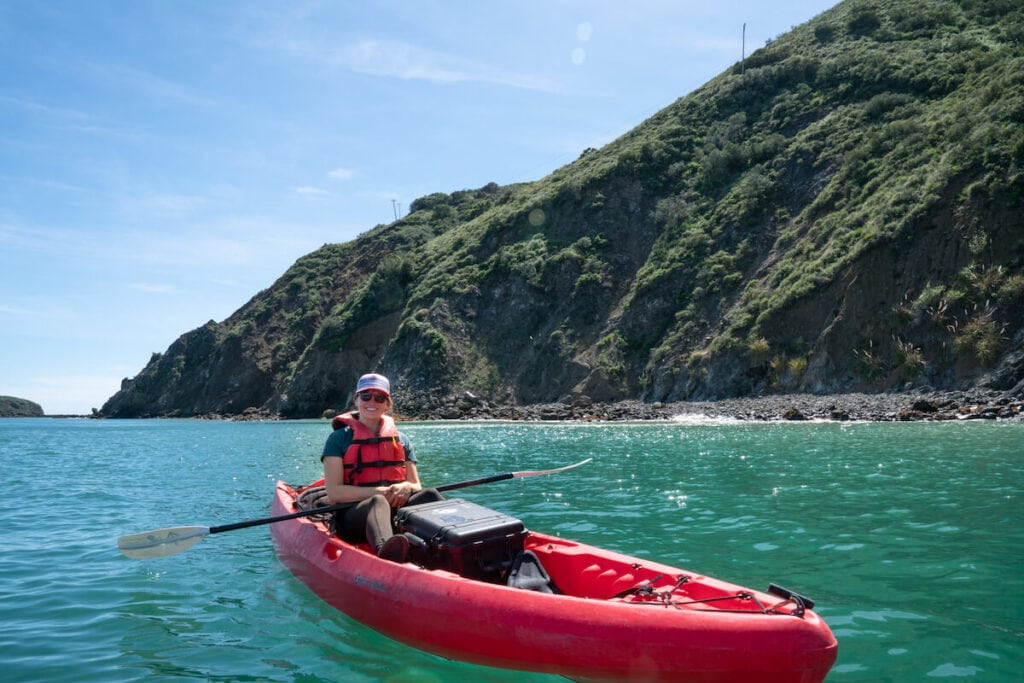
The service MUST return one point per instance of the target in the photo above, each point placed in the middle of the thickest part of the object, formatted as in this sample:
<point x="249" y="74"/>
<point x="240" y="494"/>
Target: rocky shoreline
<point x="885" y="407"/>
<point x="973" y="404"/>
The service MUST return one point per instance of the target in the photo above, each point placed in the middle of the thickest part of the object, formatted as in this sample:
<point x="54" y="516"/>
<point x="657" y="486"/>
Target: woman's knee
<point x="425" y="496"/>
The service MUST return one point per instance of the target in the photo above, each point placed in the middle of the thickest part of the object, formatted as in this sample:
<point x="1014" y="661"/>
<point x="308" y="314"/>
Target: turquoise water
<point x="908" y="536"/>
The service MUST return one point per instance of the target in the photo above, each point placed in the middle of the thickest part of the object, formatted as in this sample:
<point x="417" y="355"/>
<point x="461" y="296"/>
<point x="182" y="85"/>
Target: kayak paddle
<point x="162" y="542"/>
<point x="509" y="475"/>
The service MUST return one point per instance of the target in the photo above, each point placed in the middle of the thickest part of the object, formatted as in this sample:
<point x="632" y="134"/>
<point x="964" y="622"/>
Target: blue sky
<point x="163" y="161"/>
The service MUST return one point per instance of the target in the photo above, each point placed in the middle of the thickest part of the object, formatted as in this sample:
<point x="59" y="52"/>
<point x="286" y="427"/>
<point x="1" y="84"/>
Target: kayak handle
<point x="801" y="600"/>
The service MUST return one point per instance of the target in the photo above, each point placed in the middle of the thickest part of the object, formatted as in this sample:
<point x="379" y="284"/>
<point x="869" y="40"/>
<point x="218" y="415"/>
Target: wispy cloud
<point x="40" y="108"/>
<point x="340" y="174"/>
<point x="149" y="84"/>
<point x="397" y="59"/>
<point x="149" y="288"/>
<point x="16" y="236"/>
<point x="310" y="191"/>
<point x="162" y="204"/>
<point x="402" y="60"/>
<point x="216" y="244"/>
<point x="65" y="118"/>
<point x="23" y="311"/>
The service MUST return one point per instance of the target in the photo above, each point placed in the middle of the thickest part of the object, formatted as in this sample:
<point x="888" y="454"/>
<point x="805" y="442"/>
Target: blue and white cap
<point x="374" y="382"/>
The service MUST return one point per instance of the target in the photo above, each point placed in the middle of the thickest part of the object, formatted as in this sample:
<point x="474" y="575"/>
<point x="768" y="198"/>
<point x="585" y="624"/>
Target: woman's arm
<point x="338" y="492"/>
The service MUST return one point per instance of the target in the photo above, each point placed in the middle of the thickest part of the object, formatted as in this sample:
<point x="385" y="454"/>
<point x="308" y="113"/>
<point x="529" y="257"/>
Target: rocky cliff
<point x="842" y="212"/>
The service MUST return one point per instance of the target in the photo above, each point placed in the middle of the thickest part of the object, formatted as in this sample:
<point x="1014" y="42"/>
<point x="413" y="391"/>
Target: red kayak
<point x="483" y="589"/>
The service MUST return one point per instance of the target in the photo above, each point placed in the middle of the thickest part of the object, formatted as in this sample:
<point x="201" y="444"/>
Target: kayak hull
<point x="698" y="633"/>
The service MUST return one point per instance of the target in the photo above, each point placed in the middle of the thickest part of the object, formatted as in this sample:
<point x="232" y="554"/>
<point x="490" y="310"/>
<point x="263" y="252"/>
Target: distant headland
<point x="11" y="406"/>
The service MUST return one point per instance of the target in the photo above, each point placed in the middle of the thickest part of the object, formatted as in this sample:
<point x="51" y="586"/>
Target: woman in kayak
<point x="369" y="463"/>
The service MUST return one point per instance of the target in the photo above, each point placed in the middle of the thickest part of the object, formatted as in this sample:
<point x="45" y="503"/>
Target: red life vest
<point x="372" y="459"/>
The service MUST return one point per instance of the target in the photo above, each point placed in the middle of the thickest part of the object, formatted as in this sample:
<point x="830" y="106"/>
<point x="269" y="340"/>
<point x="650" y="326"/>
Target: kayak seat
<point x="313" y="497"/>
<point x="528" y="574"/>
<point x="587" y="575"/>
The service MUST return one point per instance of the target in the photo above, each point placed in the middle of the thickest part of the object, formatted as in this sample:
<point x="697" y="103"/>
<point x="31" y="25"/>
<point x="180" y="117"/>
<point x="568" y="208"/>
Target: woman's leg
<point x="424" y="496"/>
<point x="369" y="520"/>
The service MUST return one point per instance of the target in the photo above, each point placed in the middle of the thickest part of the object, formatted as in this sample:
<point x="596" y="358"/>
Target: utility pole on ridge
<point x="743" y="49"/>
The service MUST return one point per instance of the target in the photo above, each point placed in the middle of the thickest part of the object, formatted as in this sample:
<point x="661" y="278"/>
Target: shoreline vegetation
<point x="12" y="406"/>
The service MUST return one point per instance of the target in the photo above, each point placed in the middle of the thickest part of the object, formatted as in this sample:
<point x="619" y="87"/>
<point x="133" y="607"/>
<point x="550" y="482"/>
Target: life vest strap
<point x="375" y="463"/>
<point x="375" y="439"/>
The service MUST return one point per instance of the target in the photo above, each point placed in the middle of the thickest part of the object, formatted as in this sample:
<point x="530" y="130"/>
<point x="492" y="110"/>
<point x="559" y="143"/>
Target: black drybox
<point x="463" y="537"/>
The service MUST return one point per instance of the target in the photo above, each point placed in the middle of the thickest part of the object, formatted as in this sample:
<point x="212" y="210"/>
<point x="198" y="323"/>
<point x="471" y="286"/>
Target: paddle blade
<point x="537" y="473"/>
<point x="161" y="542"/>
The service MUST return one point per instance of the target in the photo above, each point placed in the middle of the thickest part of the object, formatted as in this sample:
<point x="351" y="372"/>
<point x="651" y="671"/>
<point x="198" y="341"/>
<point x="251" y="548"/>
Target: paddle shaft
<point x="270" y="520"/>
<point x="474" y="482"/>
<point x="342" y="506"/>
<point x="172" y="537"/>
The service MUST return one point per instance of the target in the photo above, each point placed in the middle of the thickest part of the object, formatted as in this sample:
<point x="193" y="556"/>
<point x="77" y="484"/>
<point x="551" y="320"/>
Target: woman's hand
<point x="398" y="494"/>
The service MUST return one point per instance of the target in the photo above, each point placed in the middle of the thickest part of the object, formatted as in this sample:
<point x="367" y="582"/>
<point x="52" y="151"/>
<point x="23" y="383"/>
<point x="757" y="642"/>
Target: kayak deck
<point x="615" y="617"/>
<point x="579" y="572"/>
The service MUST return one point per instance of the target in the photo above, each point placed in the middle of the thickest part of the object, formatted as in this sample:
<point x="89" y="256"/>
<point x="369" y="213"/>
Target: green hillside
<point x="11" y="406"/>
<point x="840" y="212"/>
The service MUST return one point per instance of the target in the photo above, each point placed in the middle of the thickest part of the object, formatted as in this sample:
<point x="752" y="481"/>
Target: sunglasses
<point x="368" y="395"/>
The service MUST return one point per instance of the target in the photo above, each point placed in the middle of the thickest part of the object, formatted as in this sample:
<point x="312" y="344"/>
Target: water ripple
<point x="906" y="535"/>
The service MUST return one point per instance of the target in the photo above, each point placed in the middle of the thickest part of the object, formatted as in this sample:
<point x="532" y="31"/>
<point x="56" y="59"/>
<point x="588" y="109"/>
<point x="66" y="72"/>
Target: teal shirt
<point x="340" y="439"/>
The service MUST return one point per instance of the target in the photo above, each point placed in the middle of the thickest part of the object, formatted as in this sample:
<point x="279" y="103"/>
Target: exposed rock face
<point x="844" y="215"/>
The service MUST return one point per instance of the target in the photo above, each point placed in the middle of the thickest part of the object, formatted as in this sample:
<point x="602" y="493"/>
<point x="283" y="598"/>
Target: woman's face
<point x="372" y="404"/>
